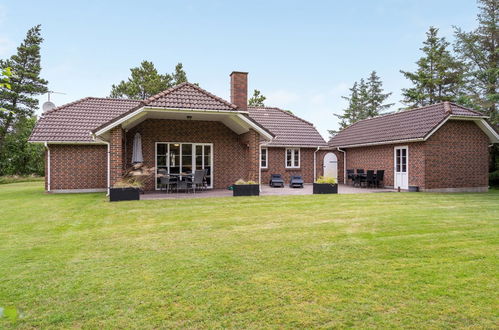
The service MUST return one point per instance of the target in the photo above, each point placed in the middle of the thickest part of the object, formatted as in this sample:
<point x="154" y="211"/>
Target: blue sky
<point x="303" y="55"/>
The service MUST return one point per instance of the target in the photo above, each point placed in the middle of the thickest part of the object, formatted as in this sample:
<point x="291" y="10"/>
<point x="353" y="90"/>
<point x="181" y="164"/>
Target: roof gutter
<point x="48" y="166"/>
<point x="344" y="164"/>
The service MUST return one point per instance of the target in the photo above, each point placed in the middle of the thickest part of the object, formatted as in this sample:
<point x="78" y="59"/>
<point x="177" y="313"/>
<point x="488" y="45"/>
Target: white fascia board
<point x="71" y="142"/>
<point x="378" y="143"/>
<point x="479" y="120"/>
<point x="296" y="146"/>
<point x="159" y="109"/>
<point x="255" y="127"/>
<point x="118" y="122"/>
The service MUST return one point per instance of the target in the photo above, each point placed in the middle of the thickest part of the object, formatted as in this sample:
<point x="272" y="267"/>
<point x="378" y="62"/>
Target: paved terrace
<point x="266" y="191"/>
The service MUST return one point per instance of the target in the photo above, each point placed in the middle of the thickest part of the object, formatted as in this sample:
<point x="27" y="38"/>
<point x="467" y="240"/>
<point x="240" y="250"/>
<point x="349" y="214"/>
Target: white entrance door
<point x="401" y="167"/>
<point x="331" y="165"/>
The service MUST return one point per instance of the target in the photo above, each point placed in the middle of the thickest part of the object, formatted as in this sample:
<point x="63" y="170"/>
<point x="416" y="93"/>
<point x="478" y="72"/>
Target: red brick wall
<point x="230" y="151"/>
<point x="239" y="89"/>
<point x="276" y="165"/>
<point x="381" y="158"/>
<point x="116" y="139"/>
<point x="77" y="167"/>
<point x="457" y="156"/>
<point x="251" y="139"/>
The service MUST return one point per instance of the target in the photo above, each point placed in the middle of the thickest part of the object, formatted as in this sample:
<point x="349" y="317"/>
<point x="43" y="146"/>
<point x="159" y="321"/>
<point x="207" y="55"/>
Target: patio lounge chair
<point x="296" y="181"/>
<point x="276" y="181"/>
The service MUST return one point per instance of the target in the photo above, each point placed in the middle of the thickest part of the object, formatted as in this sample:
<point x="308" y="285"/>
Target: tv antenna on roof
<point x="50" y="105"/>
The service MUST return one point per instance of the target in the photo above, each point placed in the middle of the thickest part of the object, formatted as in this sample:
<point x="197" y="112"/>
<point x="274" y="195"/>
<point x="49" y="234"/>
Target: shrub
<point x="494" y="178"/>
<point x="241" y="181"/>
<point x="323" y="179"/>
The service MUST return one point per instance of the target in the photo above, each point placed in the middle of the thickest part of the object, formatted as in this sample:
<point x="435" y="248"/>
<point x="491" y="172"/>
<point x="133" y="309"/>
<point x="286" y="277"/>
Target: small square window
<point x="263" y="158"/>
<point x="292" y="158"/>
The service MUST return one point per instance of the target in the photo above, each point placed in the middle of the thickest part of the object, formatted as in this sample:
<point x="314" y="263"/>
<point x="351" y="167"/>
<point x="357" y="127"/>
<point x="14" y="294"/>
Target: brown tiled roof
<point x="404" y="125"/>
<point x="289" y="130"/>
<point x="74" y="121"/>
<point x="188" y="96"/>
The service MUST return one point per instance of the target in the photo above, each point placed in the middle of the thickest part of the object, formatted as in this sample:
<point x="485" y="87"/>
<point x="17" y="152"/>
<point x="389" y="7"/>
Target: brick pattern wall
<point x="457" y="156"/>
<point x="251" y="139"/>
<point x="230" y="153"/>
<point x="77" y="167"/>
<point x="382" y="158"/>
<point x="116" y="140"/>
<point x="239" y="89"/>
<point x="276" y="165"/>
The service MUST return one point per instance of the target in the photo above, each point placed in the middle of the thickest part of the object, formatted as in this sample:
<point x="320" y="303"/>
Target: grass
<point x="411" y="260"/>
<point x="19" y="178"/>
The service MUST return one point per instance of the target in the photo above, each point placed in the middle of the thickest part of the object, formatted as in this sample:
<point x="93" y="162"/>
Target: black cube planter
<point x="325" y="188"/>
<point x="124" y="194"/>
<point x="413" y="188"/>
<point x="246" y="190"/>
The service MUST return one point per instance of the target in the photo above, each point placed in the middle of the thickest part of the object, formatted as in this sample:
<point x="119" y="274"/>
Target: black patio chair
<point x="360" y="171"/>
<point x="370" y="179"/>
<point x="168" y="182"/>
<point x="296" y="181"/>
<point x="276" y="181"/>
<point x="197" y="180"/>
<point x="351" y="175"/>
<point x="380" y="176"/>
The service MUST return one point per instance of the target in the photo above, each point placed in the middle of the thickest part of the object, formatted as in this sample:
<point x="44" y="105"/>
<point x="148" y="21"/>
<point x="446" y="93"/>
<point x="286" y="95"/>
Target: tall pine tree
<point x="375" y="97"/>
<point x="479" y="50"/>
<point x="25" y="83"/>
<point x="439" y="76"/>
<point x="145" y="81"/>
<point x="353" y="112"/>
<point x="366" y="100"/>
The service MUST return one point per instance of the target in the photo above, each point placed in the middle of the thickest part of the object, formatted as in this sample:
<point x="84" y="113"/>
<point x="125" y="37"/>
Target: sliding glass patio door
<point x="184" y="158"/>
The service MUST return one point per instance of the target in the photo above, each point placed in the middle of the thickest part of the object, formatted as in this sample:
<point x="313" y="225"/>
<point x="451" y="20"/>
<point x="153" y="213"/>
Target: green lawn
<point x="410" y="260"/>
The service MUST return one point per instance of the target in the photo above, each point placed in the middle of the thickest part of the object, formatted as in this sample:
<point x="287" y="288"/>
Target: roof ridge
<point x="202" y="90"/>
<point x="112" y="98"/>
<point x="468" y="109"/>
<point x="65" y="105"/>
<point x="186" y="83"/>
<point x="286" y="112"/>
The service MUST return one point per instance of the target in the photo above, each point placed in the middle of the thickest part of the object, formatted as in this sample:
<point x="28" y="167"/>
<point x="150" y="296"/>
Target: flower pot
<point x="124" y="194"/>
<point x="246" y="190"/>
<point x="325" y="188"/>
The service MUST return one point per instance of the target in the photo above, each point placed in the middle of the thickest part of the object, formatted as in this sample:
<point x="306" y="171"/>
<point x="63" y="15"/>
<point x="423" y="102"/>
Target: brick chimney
<point x="239" y="89"/>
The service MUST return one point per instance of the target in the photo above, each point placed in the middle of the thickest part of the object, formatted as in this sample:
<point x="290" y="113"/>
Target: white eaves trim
<point x="71" y="142"/>
<point x="239" y="114"/>
<point x="480" y="121"/>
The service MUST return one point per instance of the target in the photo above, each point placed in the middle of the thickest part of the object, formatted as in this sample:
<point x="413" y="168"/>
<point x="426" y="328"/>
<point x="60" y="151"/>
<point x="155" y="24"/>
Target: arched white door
<point x="331" y="165"/>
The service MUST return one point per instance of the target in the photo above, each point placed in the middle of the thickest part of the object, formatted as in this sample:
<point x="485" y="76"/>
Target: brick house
<point x="89" y="142"/>
<point x="441" y="147"/>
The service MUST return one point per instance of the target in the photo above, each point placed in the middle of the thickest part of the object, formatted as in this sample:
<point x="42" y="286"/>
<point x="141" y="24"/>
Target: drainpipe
<point x="260" y="164"/>
<point x="315" y="163"/>
<point x="344" y="164"/>
<point x="48" y="166"/>
<point x="108" y="166"/>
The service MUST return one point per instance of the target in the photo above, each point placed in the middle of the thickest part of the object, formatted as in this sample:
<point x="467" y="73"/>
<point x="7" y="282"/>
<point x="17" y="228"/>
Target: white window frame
<point x="266" y="157"/>
<point x="293" y="152"/>
<point x="194" y="144"/>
